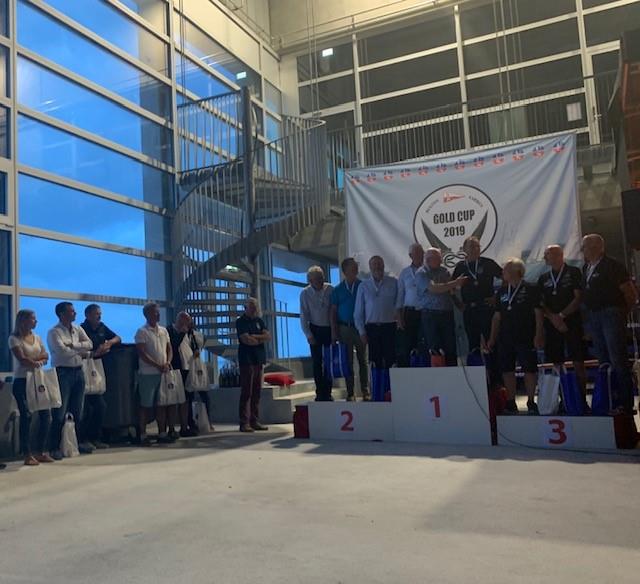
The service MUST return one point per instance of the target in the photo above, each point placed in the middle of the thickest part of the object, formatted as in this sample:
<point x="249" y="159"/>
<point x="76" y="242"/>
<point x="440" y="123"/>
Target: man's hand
<point x="460" y="281"/>
<point x="364" y="339"/>
<point x="196" y="354"/>
<point x="311" y="339"/>
<point x="164" y="367"/>
<point x="487" y="346"/>
<point x="538" y="341"/>
<point x="558" y="322"/>
<point x="491" y="301"/>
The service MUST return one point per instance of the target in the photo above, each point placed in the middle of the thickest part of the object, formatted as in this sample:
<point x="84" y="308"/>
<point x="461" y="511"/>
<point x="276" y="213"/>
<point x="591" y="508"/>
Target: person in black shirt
<point x="561" y="290"/>
<point x="517" y="328"/>
<point x="252" y="356"/>
<point x="478" y="299"/>
<point x="103" y="339"/>
<point x="186" y="343"/>
<point x="608" y="297"/>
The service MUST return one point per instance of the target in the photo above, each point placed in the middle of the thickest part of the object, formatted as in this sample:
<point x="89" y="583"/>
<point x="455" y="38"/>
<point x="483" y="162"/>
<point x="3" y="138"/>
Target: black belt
<point x="412" y="308"/>
<point x="478" y="305"/>
<point x="342" y="323"/>
<point x="69" y="368"/>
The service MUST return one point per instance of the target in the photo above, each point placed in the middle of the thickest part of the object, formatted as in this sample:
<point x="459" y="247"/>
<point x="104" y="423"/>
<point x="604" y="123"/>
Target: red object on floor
<point x="387" y="396"/>
<point x="626" y="432"/>
<point x="301" y="422"/>
<point x="438" y="361"/>
<point x="279" y="378"/>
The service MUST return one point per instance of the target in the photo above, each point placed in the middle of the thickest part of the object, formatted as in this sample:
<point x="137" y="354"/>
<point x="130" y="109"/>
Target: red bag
<point x="301" y="422"/>
<point x="279" y="378"/>
<point x="438" y="360"/>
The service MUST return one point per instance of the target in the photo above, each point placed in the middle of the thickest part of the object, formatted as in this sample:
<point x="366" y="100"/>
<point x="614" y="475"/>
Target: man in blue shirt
<point x="343" y="328"/>
<point x="435" y="288"/>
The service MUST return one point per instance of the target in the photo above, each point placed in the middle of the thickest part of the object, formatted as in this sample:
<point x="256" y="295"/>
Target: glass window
<point x="480" y="20"/>
<point x="325" y="62"/>
<point x="4" y="18"/>
<point x="546" y="78"/>
<point x="592" y="3"/>
<point x="123" y="319"/>
<point x="115" y="27"/>
<point x="54" y="265"/>
<point x="414" y="142"/>
<point x="6" y="320"/>
<point x="53" y="150"/>
<point x="409" y="73"/>
<point x="4" y="71"/>
<point x="326" y="94"/>
<point x="3" y="193"/>
<point x="290" y="266"/>
<point x="216" y="57"/>
<point x="408" y="39"/>
<point x="608" y="25"/>
<point x="52" y="94"/>
<point x="197" y="80"/>
<point x="486" y="91"/>
<point x="519" y="12"/>
<point x="291" y="339"/>
<point x="5" y="257"/>
<point x="5" y="150"/>
<point x="49" y="38"/>
<point x="410" y="103"/>
<point x="153" y="11"/>
<point x="50" y="206"/>
<point x="272" y="97"/>
<point x="288" y="296"/>
<point x="606" y="62"/>
<point x="274" y="129"/>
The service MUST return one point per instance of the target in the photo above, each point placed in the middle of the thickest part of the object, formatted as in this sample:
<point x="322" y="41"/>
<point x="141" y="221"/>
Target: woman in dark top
<point x="186" y="342"/>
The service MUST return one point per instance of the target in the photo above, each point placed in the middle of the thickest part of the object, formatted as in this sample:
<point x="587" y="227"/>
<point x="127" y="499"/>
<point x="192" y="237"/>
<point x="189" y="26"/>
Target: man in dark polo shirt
<point x="608" y="297"/>
<point x="252" y="335"/>
<point x="561" y="289"/>
<point x="478" y="298"/>
<point x="517" y="330"/>
<point x="103" y="338"/>
<point x="343" y="328"/>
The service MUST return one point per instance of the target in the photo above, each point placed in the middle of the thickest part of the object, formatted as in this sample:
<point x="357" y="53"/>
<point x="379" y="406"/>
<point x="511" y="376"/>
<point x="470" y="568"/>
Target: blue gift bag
<point x="336" y="364"/>
<point x="418" y="359"/>
<point x="475" y="358"/>
<point x="601" y="402"/>
<point x="572" y="398"/>
<point x="380" y="383"/>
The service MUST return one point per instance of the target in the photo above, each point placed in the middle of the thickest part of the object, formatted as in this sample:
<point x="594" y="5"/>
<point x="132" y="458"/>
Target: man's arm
<point x="359" y="312"/>
<point x="84" y="344"/>
<point x="333" y="318"/>
<point x="305" y="317"/>
<point x="495" y="329"/>
<point x="167" y="364"/>
<point x="56" y="343"/>
<point x="538" y="340"/>
<point x="142" y="353"/>
<point x="445" y="287"/>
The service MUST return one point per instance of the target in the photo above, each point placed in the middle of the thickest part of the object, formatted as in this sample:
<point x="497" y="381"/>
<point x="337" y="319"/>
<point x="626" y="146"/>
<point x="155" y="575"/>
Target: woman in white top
<point x="29" y="354"/>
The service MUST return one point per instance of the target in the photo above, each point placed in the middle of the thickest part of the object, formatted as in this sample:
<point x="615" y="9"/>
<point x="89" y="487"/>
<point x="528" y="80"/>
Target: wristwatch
<point x="562" y="315"/>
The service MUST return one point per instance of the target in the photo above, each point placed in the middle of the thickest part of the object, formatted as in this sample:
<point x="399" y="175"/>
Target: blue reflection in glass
<point x="52" y="94"/>
<point x="43" y="35"/>
<point x="291" y="339"/>
<point x="58" y="152"/>
<point x="88" y="216"/>
<point x="113" y="26"/>
<point x="54" y="265"/>
<point x="123" y="319"/>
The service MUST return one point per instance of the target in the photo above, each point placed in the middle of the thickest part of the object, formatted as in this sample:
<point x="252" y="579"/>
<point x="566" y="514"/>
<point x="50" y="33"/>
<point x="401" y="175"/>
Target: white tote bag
<point x="201" y="417"/>
<point x="69" y="440"/>
<point x="549" y="393"/>
<point x="198" y="377"/>
<point x="95" y="382"/>
<point x="185" y="352"/>
<point x="43" y="390"/>
<point x="171" y="389"/>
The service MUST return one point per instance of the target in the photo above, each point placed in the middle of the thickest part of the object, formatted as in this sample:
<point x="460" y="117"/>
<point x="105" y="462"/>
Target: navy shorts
<point x="511" y="353"/>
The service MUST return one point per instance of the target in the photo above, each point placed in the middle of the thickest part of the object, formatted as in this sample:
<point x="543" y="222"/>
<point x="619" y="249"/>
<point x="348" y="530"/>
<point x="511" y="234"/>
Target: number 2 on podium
<point x="347" y="427"/>
<point x="435" y="400"/>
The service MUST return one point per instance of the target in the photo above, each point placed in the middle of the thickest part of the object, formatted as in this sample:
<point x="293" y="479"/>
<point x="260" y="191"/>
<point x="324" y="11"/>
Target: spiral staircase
<point x="237" y="195"/>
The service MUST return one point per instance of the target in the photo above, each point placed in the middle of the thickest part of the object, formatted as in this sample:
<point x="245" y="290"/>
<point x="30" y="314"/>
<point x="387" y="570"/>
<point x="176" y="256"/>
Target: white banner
<point x="516" y="199"/>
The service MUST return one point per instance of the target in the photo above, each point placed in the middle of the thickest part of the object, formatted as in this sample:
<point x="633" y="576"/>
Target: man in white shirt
<point x="154" y="359"/>
<point x="409" y="306"/>
<point x="376" y="314"/>
<point x="67" y="345"/>
<point x="315" y="306"/>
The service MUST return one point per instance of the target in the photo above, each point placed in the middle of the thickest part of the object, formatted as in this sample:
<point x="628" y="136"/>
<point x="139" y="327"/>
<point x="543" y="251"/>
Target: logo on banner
<point x="450" y="214"/>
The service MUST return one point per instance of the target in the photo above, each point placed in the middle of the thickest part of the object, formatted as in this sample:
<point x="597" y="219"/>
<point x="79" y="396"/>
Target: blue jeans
<point x="71" y="381"/>
<point x="26" y="445"/>
<point x="609" y="335"/>
<point x="439" y="329"/>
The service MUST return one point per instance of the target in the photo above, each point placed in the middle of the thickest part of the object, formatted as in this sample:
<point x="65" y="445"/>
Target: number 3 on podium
<point x="557" y="432"/>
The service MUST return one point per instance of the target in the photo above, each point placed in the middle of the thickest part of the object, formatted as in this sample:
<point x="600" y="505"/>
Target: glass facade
<point x="88" y="196"/>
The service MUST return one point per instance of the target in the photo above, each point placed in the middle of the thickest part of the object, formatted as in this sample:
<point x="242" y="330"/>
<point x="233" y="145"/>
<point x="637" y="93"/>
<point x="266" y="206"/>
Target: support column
<point x="463" y="81"/>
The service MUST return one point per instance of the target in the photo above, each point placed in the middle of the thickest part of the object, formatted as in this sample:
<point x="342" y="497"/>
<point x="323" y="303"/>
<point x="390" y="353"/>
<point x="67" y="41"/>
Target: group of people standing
<point x="507" y="320"/>
<point x="159" y="349"/>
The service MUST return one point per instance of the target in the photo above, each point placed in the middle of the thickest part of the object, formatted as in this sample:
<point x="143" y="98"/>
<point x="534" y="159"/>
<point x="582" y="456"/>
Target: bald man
<point x="561" y="291"/>
<point x="609" y="296"/>
<point x="408" y="306"/>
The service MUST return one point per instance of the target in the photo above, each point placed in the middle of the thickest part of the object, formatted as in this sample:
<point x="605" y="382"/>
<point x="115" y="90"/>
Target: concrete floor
<point x="266" y="508"/>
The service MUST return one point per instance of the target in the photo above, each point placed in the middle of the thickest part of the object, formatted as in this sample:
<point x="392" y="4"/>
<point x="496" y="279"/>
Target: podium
<point x="449" y="405"/>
